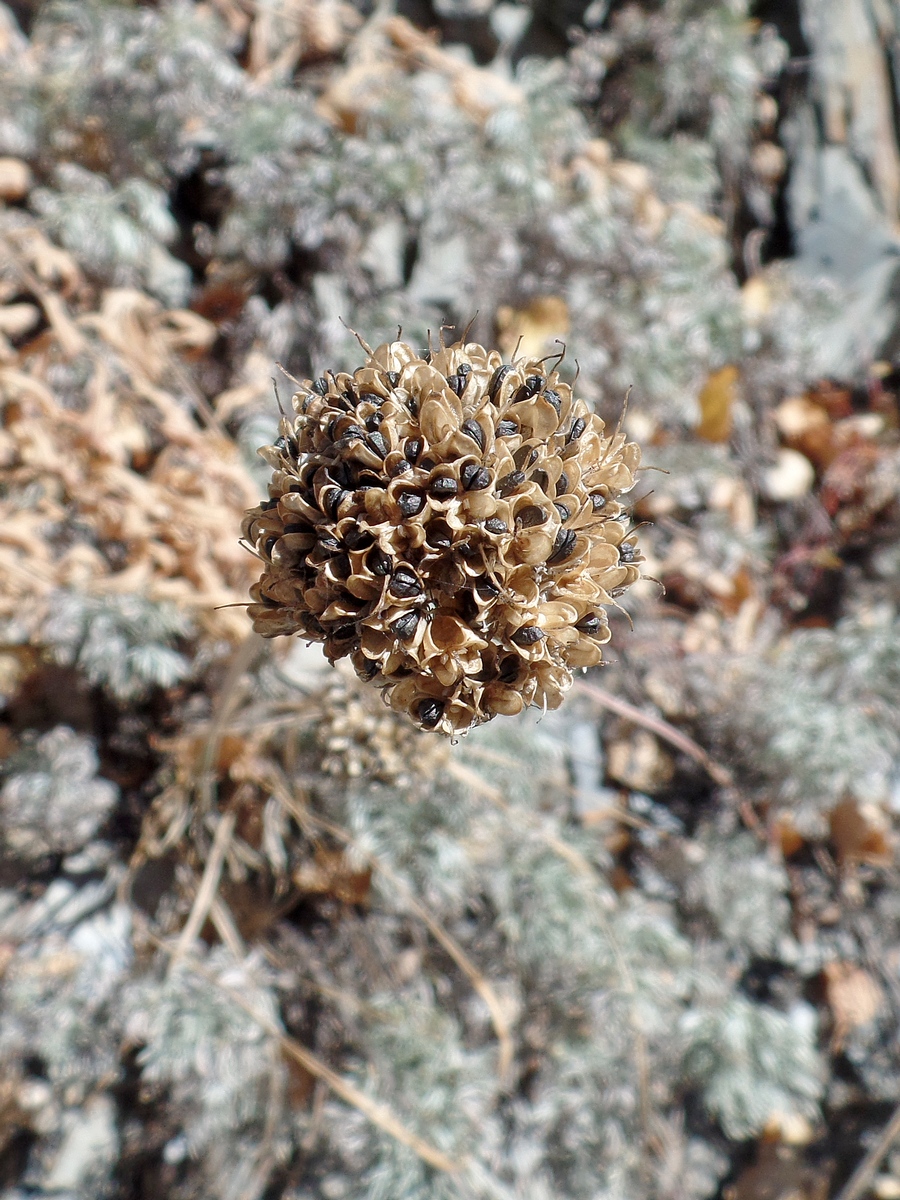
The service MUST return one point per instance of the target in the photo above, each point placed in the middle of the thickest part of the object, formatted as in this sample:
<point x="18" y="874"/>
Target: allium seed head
<point x="449" y="523"/>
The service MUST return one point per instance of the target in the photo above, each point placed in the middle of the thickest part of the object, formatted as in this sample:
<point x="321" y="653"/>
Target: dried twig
<point x="859" y="1182"/>
<point x="719" y="774"/>
<point x="207" y="890"/>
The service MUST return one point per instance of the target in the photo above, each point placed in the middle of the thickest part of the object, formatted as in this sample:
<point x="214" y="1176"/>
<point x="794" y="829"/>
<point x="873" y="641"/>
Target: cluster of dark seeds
<point x="449" y="523"/>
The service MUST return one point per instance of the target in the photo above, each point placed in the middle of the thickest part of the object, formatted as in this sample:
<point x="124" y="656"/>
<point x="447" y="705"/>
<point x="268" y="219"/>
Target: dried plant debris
<point x="450" y="523"/>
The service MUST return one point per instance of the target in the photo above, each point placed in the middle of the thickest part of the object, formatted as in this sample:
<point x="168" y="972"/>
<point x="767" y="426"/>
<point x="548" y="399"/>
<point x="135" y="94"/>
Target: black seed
<point x="466" y="550"/>
<point x="341" y="566"/>
<point x="443" y="487"/>
<point x="400" y="468"/>
<point x="495" y="525"/>
<point x="497" y="380"/>
<point x="456" y="383"/>
<point x="508" y="669"/>
<point x="332" y="427"/>
<point x="591" y="624"/>
<point x="554" y="398"/>
<point x="404" y="584"/>
<point x="321" y="386"/>
<point x="439" y="535"/>
<point x="297" y="527"/>
<point x="374" y="421"/>
<point x="350" y="395"/>
<point x="430" y="712"/>
<point x="357" y="539"/>
<point x="577" y="430"/>
<point x="475" y="478"/>
<point x="627" y="552"/>
<point x="598" y="501"/>
<point x="280" y="443"/>
<point x="541" y="478"/>
<point x="329" y="544"/>
<point x="507" y="429"/>
<point x="562" y="484"/>
<point x="531" y="516"/>
<point x="413" y="405"/>
<point x="353" y="433"/>
<point x="393" y="378"/>
<point x="332" y="501"/>
<point x="405" y="626"/>
<point x="413" y="449"/>
<point x="371" y="398"/>
<point x="487" y="588"/>
<point x="411" y="503"/>
<point x="529" y="388"/>
<point x="269" y="545"/>
<point x="376" y="441"/>
<point x="265" y="505"/>
<point x="342" y="473"/>
<point x="563" y="511"/>
<point x="528" y="635"/>
<point x="464" y="369"/>
<point x="369" y="668"/>
<point x="510" y="482"/>
<point x="563" y="546"/>
<point x="525" y="457"/>
<point x="473" y="430"/>
<point x="343" y="632"/>
<point x="378" y="562"/>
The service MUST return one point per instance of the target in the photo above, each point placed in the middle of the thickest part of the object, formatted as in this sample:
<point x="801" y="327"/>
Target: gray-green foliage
<point x="818" y="719"/>
<point x="743" y="890"/>
<point x="119" y="233"/>
<point x="221" y="1069"/>
<point x="123" y="643"/>
<point x="51" y="800"/>
<point x="754" y="1062"/>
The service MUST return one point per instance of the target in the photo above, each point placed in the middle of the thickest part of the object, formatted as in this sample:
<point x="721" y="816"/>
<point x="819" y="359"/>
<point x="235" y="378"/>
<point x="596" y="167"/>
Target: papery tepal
<point x="450" y="523"/>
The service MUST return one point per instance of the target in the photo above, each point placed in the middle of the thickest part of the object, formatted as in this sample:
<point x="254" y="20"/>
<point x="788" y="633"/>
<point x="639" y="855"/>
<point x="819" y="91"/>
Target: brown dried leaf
<point x="860" y="833"/>
<point x="716" y="400"/>
<point x="853" y="996"/>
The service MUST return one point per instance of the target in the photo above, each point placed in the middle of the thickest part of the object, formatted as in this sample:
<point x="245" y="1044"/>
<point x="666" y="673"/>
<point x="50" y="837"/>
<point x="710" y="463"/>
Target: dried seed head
<point x="449" y="524"/>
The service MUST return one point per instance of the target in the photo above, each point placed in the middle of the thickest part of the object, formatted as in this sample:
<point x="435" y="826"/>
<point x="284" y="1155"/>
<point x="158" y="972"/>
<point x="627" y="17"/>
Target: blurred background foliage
<point x="258" y="938"/>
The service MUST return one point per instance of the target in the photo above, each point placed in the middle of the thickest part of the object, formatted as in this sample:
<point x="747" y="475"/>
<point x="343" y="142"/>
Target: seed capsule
<point x="578" y="428"/>
<point x="404" y="584"/>
<point x="475" y="478"/>
<point x="510" y="482"/>
<point x="527" y="635"/>
<point x="443" y="487"/>
<point x="405" y="626"/>
<point x="378" y="562"/>
<point x="430" y="712"/>
<point x="563" y="546"/>
<point x="497" y="381"/>
<point x="589" y="625"/>
<point x="473" y="430"/>
<point x="411" y="503"/>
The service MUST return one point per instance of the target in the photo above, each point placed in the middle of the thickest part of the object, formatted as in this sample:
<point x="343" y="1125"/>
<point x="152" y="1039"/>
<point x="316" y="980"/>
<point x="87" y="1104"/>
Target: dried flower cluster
<point x="450" y="523"/>
<point x="362" y="739"/>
